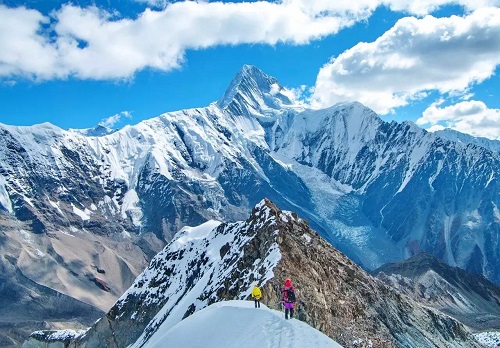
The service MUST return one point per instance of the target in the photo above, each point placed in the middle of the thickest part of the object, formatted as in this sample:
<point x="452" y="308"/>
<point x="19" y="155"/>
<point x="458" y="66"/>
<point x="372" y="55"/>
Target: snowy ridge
<point x="455" y="136"/>
<point x="217" y="262"/>
<point x="201" y="268"/>
<point x="60" y="335"/>
<point x="97" y="131"/>
<point x="239" y="324"/>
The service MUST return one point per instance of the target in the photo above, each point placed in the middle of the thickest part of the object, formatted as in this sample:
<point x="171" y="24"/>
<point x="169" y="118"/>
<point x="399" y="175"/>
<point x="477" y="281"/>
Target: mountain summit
<point x="238" y="324"/>
<point x="252" y="92"/>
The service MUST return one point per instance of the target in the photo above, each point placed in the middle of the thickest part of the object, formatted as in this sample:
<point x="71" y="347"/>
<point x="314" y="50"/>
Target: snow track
<point x="237" y="324"/>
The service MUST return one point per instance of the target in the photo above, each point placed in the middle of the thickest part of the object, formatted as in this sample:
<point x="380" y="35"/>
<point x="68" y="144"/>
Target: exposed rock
<point x="43" y="282"/>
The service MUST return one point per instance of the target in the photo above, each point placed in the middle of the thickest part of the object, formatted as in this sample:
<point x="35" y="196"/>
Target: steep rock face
<point x="468" y="297"/>
<point x="213" y="262"/>
<point x="402" y="189"/>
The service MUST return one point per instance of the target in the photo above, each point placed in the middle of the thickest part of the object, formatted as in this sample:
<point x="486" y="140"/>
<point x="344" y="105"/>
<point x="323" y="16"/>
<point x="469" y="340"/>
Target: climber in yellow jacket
<point x="256" y="295"/>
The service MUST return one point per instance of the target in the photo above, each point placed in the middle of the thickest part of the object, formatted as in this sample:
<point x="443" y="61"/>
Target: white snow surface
<point x="61" y="335"/>
<point x="83" y="214"/>
<point x="488" y="339"/>
<point x="238" y="324"/>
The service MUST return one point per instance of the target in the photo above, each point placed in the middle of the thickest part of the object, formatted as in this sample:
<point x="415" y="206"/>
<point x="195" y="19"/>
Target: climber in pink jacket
<point x="288" y="297"/>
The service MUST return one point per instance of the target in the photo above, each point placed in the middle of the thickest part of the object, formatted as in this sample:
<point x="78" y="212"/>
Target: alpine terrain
<point x="469" y="298"/>
<point x="217" y="262"/>
<point x="83" y="211"/>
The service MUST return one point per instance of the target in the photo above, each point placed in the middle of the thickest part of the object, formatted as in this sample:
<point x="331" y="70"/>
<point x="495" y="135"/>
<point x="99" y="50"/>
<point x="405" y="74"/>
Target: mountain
<point x="59" y="280"/>
<point x="378" y="191"/>
<point x="470" y="298"/>
<point x="216" y="262"/>
<point x="455" y="136"/>
<point x="96" y="131"/>
<point x="343" y="168"/>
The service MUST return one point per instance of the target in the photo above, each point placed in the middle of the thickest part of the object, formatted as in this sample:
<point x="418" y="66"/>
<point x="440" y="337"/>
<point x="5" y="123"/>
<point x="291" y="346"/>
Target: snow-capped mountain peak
<point x="97" y="131"/>
<point x="252" y="92"/>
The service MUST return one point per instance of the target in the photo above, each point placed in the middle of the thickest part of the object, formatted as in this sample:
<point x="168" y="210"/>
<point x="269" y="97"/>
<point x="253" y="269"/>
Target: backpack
<point x="289" y="295"/>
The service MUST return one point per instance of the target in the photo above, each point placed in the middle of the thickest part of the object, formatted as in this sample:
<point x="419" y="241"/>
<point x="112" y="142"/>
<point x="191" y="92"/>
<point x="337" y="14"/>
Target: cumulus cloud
<point x="414" y="57"/>
<point x="472" y="117"/>
<point x="90" y="43"/>
<point x="111" y="121"/>
<point x="23" y="51"/>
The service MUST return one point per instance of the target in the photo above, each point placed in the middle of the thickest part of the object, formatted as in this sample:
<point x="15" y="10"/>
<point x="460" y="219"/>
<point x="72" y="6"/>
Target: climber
<point x="256" y="295"/>
<point x="288" y="298"/>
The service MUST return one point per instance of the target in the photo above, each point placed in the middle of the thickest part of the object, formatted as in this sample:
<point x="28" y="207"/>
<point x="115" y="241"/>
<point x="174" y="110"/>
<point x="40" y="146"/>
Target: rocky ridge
<point x="213" y="262"/>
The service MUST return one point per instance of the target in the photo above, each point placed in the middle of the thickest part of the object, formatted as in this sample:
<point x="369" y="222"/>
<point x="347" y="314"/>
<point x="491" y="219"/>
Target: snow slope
<point x="488" y="339"/>
<point x="238" y="324"/>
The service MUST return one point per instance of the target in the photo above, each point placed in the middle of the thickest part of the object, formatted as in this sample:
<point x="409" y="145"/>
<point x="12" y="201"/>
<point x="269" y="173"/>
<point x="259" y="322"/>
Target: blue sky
<point x="78" y="64"/>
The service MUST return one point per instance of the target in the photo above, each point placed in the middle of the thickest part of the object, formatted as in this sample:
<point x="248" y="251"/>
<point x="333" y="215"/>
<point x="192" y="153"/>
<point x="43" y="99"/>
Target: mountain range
<point x="468" y="297"/>
<point x="82" y="212"/>
<point x="342" y="168"/>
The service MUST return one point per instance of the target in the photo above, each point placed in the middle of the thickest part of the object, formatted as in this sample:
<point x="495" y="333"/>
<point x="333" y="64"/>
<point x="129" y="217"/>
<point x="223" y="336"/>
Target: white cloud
<point x="111" y="121"/>
<point x="361" y="8"/>
<point x="412" y="58"/>
<point x="423" y="7"/>
<point x="155" y="3"/>
<point x="89" y="43"/>
<point x="472" y="117"/>
<point x="23" y="51"/>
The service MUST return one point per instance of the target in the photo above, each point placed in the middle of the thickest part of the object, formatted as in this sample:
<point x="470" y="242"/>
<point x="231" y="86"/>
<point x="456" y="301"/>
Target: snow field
<point x="238" y="324"/>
